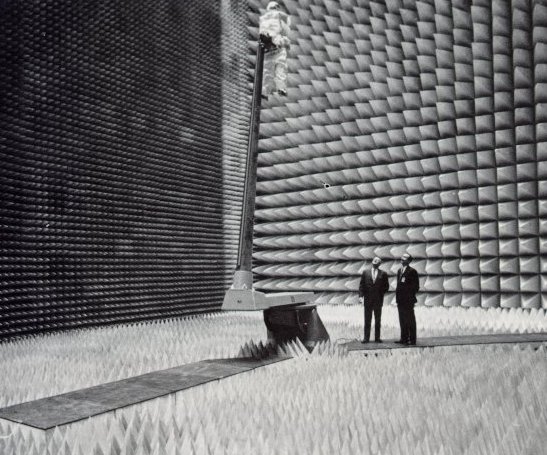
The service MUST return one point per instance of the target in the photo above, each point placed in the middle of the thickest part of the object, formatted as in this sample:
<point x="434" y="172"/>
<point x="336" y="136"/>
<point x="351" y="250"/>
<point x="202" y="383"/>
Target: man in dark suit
<point x="372" y="287"/>
<point x="405" y="295"/>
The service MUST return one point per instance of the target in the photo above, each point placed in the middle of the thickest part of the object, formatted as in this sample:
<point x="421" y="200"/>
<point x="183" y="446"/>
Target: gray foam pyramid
<point x="408" y="125"/>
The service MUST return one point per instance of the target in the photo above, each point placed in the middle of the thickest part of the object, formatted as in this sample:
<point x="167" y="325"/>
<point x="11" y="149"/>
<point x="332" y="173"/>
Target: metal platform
<point x="431" y="342"/>
<point x="70" y="407"/>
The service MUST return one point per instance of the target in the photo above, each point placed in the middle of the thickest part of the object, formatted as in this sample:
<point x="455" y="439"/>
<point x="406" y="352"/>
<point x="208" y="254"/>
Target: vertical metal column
<point x="245" y="252"/>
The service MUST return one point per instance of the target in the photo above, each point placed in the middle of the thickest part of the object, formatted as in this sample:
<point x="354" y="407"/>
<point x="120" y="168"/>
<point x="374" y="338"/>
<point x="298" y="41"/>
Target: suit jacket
<point x="407" y="286"/>
<point x="373" y="291"/>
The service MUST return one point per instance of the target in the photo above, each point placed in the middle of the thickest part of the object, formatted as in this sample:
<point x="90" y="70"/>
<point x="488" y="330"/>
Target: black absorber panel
<point x="110" y="149"/>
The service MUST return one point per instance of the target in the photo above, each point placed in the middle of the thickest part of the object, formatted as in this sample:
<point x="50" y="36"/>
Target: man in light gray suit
<point x="372" y="287"/>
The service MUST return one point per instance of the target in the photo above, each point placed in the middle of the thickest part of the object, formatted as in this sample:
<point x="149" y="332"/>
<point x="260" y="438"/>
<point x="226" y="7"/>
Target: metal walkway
<point x="431" y="342"/>
<point x="70" y="407"/>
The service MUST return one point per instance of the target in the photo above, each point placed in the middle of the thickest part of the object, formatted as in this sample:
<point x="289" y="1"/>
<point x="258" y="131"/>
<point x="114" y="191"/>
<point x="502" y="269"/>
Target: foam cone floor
<point x="455" y="400"/>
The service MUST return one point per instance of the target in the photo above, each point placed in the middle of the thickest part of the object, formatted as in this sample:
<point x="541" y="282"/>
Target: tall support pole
<point x="287" y="315"/>
<point x="245" y="252"/>
<point x="241" y="295"/>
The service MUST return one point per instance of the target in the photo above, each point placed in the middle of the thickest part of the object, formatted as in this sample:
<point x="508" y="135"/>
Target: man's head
<point x="376" y="262"/>
<point x="273" y="6"/>
<point x="406" y="259"/>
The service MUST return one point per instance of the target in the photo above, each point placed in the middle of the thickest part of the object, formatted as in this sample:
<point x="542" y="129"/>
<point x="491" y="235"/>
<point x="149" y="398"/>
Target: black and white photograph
<point x="252" y="227"/>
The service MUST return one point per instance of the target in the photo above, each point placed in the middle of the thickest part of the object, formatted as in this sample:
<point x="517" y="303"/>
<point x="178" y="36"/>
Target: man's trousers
<point x="407" y="321"/>
<point x="377" y="310"/>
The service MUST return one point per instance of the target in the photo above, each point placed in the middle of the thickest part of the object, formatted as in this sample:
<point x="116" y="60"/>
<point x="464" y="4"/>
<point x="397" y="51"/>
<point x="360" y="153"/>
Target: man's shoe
<point x="400" y="342"/>
<point x="411" y="343"/>
<point x="364" y="341"/>
<point x="378" y="341"/>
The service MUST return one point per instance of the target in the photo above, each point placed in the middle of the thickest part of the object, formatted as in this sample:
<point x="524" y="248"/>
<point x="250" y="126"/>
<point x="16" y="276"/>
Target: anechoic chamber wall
<point x="111" y="162"/>
<point x="415" y="126"/>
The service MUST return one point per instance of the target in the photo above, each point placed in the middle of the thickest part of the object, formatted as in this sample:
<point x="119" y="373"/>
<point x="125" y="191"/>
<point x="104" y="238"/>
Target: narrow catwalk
<point x="431" y="342"/>
<point x="80" y="404"/>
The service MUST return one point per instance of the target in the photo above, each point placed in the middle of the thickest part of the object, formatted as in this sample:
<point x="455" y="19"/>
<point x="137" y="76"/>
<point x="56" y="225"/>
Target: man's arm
<point x="415" y="282"/>
<point x="385" y="283"/>
<point x="362" y="285"/>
